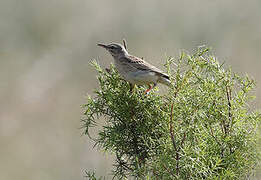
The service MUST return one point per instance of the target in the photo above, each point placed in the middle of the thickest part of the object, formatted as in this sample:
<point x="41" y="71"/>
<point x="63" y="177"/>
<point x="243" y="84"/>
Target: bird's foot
<point x="150" y="88"/>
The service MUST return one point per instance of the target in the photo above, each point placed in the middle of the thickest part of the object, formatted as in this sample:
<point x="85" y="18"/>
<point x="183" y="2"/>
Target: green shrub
<point x="201" y="128"/>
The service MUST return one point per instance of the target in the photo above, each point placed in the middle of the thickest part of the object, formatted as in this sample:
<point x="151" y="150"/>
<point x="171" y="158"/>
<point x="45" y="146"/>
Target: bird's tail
<point x="164" y="79"/>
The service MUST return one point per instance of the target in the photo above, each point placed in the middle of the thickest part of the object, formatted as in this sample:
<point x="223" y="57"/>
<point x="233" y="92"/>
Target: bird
<point x="135" y="70"/>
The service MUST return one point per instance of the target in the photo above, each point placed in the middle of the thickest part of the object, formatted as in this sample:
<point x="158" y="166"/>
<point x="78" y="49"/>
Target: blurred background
<point x="45" y="50"/>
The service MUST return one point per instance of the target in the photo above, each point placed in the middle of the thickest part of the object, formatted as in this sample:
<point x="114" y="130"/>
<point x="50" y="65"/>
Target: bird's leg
<point x="150" y="88"/>
<point x="131" y="87"/>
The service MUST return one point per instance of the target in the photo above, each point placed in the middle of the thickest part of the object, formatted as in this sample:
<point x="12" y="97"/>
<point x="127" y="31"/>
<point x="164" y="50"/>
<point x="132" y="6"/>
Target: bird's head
<point x="116" y="50"/>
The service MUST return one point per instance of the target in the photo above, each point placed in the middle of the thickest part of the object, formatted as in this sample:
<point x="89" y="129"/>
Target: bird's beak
<point x="103" y="45"/>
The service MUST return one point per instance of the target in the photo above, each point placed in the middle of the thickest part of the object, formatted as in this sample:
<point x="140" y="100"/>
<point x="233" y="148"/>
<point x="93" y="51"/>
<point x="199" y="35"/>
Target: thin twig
<point x="229" y="107"/>
<point x="177" y="165"/>
<point x="182" y="141"/>
<point x="169" y="171"/>
<point x="172" y="136"/>
<point x="173" y="139"/>
<point x="171" y="129"/>
<point x="124" y="43"/>
<point x="230" y="123"/>
<point x="212" y="134"/>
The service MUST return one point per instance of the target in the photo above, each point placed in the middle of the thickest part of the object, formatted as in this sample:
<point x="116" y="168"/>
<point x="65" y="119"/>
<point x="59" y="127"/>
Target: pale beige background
<point x="45" y="50"/>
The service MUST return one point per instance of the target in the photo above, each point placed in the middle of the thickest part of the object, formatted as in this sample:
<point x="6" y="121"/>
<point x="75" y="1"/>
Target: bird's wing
<point x="140" y="64"/>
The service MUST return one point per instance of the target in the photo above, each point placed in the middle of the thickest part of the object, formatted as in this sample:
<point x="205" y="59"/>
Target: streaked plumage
<point x="135" y="70"/>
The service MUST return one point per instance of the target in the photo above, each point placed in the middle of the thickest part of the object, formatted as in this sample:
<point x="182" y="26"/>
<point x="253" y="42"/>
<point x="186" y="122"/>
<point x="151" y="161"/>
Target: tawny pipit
<point x="135" y="70"/>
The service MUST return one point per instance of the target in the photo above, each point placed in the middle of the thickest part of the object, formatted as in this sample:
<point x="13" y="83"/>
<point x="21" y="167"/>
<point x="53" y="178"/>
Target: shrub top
<point x="202" y="128"/>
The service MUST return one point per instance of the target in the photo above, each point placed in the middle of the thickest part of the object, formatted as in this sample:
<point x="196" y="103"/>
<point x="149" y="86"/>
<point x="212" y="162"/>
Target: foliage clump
<point x="201" y="128"/>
